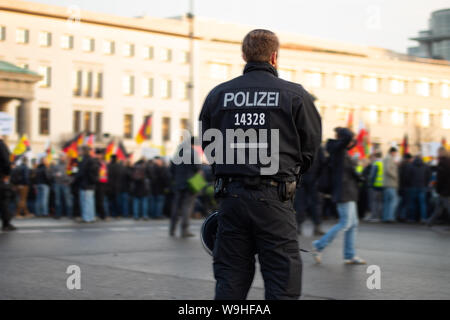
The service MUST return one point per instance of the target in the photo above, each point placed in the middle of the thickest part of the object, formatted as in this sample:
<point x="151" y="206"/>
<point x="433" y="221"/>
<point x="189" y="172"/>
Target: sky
<point x="381" y="23"/>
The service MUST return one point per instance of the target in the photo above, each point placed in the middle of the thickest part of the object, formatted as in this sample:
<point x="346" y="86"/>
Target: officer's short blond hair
<point x="259" y="44"/>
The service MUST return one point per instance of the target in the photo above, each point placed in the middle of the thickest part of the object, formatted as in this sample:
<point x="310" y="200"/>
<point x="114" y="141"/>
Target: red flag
<point x="350" y="120"/>
<point x="404" y="148"/>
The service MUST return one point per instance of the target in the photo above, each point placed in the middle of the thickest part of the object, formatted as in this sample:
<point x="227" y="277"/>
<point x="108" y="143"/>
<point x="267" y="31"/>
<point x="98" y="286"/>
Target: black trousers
<point x="255" y="222"/>
<point x="6" y="195"/>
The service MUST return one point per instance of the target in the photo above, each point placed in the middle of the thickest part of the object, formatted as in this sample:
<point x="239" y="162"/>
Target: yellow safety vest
<point x="379" y="175"/>
<point x="359" y="168"/>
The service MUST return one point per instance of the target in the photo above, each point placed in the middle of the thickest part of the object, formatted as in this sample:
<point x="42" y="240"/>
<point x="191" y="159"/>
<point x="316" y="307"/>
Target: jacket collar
<point x="260" y="66"/>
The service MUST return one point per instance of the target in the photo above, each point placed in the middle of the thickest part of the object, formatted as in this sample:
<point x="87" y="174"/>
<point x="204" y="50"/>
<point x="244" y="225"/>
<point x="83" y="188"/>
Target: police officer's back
<point x="270" y="131"/>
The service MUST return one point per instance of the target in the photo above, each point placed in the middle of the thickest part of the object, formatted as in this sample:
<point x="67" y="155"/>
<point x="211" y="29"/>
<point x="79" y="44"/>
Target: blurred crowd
<point x="393" y="188"/>
<point x="89" y="188"/>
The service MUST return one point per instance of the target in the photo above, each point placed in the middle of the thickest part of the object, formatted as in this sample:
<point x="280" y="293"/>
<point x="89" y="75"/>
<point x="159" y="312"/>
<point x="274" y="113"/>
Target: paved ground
<point x="137" y="260"/>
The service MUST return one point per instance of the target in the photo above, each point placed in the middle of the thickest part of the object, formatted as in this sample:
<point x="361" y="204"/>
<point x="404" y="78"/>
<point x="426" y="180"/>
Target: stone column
<point x="24" y="115"/>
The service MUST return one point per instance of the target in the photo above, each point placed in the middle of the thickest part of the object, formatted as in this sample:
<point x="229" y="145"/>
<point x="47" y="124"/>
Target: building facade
<point x="104" y="74"/>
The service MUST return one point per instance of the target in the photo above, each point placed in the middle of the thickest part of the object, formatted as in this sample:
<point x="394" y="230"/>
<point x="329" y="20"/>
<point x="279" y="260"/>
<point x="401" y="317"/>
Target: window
<point x="98" y="123"/>
<point x="2" y="33"/>
<point x="166" y="55"/>
<point x="88" y="44"/>
<point x="87" y="117"/>
<point x="423" y="88"/>
<point x="128" y="50"/>
<point x="370" y="84"/>
<point x="286" y="74"/>
<point x="148" y="52"/>
<point x="67" y="41"/>
<point x="44" y="121"/>
<point x="45" y="39"/>
<point x="397" y="117"/>
<point x="185" y="57"/>
<point x="425" y="118"/>
<point x="89" y="84"/>
<point x="166" y="129"/>
<point x="76" y="121"/>
<point x="219" y="71"/>
<point x="128" y="85"/>
<point x="46" y="73"/>
<point x="147" y="87"/>
<point x="22" y="35"/>
<point x="445" y="90"/>
<point x="343" y="82"/>
<point x="77" y="81"/>
<point x="166" y="89"/>
<point x="445" y="119"/>
<point x="314" y="79"/>
<point x="109" y="47"/>
<point x="374" y="115"/>
<point x="128" y="126"/>
<point x="99" y="85"/>
<point x="184" y="124"/>
<point x="184" y="90"/>
<point x="397" y="86"/>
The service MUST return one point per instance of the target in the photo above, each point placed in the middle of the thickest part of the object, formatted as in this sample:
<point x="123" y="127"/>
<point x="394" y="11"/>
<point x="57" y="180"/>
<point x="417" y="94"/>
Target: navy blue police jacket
<point x="282" y="113"/>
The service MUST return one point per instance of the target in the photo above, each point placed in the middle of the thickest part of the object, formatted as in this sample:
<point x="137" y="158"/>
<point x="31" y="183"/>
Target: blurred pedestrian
<point x="86" y="178"/>
<point x="43" y="182"/>
<point x="101" y="187"/>
<point x="125" y="181"/>
<point x="404" y="172"/>
<point x="114" y="168"/>
<point x="62" y="187"/>
<point x="184" y="199"/>
<point x="140" y="190"/>
<point x="20" y="178"/>
<point x="390" y="184"/>
<point x="308" y="198"/>
<point x="345" y="181"/>
<point x="442" y="186"/>
<point x="6" y="190"/>
<point x="160" y="184"/>
<point x="376" y="183"/>
<point x="420" y="175"/>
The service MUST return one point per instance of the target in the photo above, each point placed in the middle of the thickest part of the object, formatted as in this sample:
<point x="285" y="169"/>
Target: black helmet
<point x="208" y="232"/>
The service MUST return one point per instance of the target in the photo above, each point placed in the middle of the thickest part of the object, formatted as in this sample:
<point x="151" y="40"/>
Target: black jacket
<point x="420" y="174"/>
<point x="42" y="175"/>
<point x="344" y="177"/>
<point x="160" y="180"/>
<point x="443" y="177"/>
<point x="5" y="165"/>
<point x="87" y="175"/>
<point x="260" y="100"/>
<point x="114" y="183"/>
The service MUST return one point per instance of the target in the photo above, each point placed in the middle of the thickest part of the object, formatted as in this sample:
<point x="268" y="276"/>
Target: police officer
<point x="256" y="215"/>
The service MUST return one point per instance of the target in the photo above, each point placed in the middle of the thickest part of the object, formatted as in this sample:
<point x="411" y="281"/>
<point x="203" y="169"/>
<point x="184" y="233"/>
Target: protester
<point x="308" y="198"/>
<point x="43" y="181"/>
<point x="184" y="199"/>
<point x="420" y="175"/>
<point x="404" y="173"/>
<point x="101" y="187"/>
<point x="20" y="178"/>
<point x="62" y="187"/>
<point x="344" y="193"/>
<point x="114" y="168"/>
<point x="442" y="186"/>
<point x="160" y="184"/>
<point x="6" y="190"/>
<point x="376" y="183"/>
<point x="125" y="181"/>
<point x="86" y="178"/>
<point x="140" y="190"/>
<point x="390" y="183"/>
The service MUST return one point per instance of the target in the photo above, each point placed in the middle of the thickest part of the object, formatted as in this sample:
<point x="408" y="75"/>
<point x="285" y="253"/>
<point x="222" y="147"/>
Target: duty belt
<point x="253" y="181"/>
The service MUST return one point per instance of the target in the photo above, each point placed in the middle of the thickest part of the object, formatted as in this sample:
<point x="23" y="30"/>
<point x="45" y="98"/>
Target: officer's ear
<point x="274" y="59"/>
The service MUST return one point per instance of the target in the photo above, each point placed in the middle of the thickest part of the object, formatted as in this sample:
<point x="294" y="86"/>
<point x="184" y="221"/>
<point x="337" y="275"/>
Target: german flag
<point x="71" y="146"/>
<point x="121" y="152"/>
<point x="445" y="144"/>
<point x="109" y="151"/>
<point x="145" y="130"/>
<point x="21" y="148"/>
<point x="350" y="120"/>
